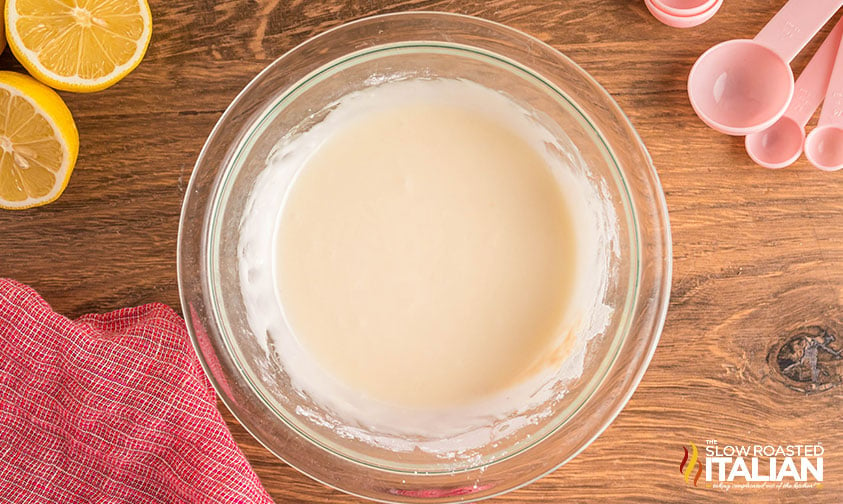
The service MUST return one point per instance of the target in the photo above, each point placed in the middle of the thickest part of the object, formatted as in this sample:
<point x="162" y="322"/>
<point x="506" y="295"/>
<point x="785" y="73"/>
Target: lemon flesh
<point x="38" y="142"/>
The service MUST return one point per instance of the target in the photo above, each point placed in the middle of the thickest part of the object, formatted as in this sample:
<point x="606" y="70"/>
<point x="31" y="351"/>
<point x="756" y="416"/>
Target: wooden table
<point x="758" y="254"/>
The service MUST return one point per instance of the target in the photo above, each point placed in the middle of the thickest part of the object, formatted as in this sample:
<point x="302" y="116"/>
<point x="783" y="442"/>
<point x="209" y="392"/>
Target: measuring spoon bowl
<point x="684" y="7"/>
<point x="778" y="146"/>
<point x="682" y="20"/>
<point x="735" y="97"/>
<point x="824" y="147"/>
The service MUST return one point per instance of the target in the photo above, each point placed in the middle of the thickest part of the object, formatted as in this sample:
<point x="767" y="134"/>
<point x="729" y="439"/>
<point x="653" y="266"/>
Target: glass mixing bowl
<point x="296" y="92"/>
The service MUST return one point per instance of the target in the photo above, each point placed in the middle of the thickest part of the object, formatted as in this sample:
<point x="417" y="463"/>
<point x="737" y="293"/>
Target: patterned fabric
<point x="109" y="408"/>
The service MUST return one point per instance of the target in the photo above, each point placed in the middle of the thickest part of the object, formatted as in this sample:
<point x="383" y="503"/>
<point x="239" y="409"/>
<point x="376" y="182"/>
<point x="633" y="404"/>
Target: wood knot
<point x="807" y="360"/>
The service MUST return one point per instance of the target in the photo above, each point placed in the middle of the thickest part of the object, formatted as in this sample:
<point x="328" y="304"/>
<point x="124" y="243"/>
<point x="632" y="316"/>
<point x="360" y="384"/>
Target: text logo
<point x="761" y="466"/>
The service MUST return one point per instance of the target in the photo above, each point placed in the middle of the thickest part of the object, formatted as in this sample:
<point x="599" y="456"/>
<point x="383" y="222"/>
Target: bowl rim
<point x="660" y="205"/>
<point x="258" y="127"/>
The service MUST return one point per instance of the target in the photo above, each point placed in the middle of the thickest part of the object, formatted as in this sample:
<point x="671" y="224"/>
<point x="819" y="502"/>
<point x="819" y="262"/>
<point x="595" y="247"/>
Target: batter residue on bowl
<point x="425" y="260"/>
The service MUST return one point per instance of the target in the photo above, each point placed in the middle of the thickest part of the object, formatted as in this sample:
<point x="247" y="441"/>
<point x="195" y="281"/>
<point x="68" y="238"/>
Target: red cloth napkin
<point x="109" y="408"/>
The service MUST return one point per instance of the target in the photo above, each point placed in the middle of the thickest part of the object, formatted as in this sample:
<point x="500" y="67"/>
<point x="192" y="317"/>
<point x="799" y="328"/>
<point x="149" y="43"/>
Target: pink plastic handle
<point x="832" y="114"/>
<point x="813" y="82"/>
<point x="795" y="25"/>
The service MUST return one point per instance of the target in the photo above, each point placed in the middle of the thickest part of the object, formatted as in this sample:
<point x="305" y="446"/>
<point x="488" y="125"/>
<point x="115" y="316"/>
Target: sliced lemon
<point x="78" y="45"/>
<point x="38" y="142"/>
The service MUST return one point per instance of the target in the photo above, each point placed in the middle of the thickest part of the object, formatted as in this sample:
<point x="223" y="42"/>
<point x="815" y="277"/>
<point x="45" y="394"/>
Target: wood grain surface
<point x="758" y="254"/>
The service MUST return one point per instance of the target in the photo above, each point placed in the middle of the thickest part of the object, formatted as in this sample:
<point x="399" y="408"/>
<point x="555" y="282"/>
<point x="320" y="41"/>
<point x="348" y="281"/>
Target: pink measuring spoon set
<point x="746" y="87"/>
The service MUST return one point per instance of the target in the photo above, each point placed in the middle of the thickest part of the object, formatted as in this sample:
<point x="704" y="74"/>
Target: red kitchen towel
<point x="109" y="408"/>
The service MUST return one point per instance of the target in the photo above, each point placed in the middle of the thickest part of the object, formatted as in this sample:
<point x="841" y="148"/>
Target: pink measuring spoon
<point x="683" y="7"/>
<point x="781" y="144"/>
<point x="691" y="16"/>
<point x="741" y="86"/>
<point x="824" y="145"/>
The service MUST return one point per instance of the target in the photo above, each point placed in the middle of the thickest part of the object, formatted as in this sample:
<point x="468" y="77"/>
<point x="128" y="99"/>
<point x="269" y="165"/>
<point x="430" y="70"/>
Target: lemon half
<point x="78" y="45"/>
<point x="38" y="142"/>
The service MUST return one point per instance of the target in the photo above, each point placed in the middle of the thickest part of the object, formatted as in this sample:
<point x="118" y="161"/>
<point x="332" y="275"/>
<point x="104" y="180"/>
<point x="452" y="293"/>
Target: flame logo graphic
<point x="686" y="467"/>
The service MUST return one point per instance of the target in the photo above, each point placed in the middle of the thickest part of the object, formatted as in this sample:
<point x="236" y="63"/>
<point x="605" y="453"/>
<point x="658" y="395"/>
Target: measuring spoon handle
<point x="812" y="84"/>
<point x="832" y="113"/>
<point x="795" y="25"/>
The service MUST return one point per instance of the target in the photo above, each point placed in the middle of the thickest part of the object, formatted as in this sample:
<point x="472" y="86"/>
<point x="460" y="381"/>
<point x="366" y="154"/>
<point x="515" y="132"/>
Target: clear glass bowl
<point x="294" y="93"/>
